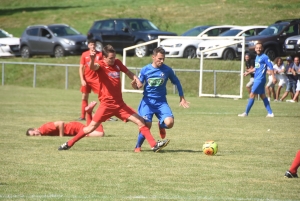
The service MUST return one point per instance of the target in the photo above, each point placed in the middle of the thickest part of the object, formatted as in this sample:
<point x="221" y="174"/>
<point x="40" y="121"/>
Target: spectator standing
<point x="279" y="70"/>
<point x="296" y="72"/>
<point x="292" y="79"/>
<point x="249" y="62"/>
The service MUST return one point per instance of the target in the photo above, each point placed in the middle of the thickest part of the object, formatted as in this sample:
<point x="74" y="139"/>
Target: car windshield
<point x="4" y="34"/>
<point x="63" y="31"/>
<point x="141" y="25"/>
<point x="272" y="30"/>
<point x="194" y="31"/>
<point x="231" y="32"/>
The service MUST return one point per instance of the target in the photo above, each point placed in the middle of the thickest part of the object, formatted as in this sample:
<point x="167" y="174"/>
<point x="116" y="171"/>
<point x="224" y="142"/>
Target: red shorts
<point x="94" y="85"/>
<point x="103" y="113"/>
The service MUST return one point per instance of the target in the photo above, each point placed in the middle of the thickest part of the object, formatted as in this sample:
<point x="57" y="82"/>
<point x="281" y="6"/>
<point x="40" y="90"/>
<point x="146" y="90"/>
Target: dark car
<point x="122" y="33"/>
<point x="273" y="37"/>
<point x="56" y="40"/>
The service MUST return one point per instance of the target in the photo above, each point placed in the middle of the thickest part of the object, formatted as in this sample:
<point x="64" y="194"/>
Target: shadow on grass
<point x="12" y="11"/>
<point x="148" y="150"/>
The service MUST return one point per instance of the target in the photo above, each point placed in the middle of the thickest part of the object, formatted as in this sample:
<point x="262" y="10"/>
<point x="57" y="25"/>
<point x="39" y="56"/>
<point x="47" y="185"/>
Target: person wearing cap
<point x="250" y="63"/>
<point x="292" y="79"/>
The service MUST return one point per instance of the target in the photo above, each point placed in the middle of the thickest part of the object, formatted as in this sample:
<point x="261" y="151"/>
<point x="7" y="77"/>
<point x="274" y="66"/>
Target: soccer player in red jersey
<point x="292" y="172"/>
<point x="88" y="78"/>
<point x="110" y="96"/>
<point x="60" y="128"/>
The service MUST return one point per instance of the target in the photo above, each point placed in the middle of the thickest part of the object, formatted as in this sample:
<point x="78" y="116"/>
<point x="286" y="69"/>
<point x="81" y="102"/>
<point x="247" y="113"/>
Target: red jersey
<point x="85" y="61"/>
<point x="71" y="129"/>
<point x="110" y="82"/>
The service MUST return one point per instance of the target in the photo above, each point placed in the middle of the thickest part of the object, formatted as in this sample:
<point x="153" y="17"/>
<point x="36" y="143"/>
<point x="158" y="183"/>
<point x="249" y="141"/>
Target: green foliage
<point x="249" y="165"/>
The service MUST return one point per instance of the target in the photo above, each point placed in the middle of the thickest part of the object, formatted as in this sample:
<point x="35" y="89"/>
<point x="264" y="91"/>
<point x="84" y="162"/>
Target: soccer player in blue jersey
<point x="262" y="62"/>
<point x="154" y="76"/>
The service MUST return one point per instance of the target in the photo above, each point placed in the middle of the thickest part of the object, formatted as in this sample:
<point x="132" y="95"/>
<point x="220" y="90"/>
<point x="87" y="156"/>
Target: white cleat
<point x="291" y="101"/>
<point x="270" y="115"/>
<point x="243" y="115"/>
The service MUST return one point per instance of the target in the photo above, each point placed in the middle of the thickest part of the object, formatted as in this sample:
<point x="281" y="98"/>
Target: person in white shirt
<point x="279" y="70"/>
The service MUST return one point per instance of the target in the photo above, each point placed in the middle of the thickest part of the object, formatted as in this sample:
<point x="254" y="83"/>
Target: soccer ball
<point x="210" y="148"/>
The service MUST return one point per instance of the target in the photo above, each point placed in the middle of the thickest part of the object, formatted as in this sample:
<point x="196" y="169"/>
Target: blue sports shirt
<point x="261" y="63"/>
<point x="155" y="80"/>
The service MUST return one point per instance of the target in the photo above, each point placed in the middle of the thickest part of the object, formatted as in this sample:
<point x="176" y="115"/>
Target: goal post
<point x="235" y="40"/>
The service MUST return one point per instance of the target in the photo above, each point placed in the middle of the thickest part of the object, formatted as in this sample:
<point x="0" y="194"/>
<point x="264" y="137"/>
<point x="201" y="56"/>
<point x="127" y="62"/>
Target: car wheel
<point x="141" y="51"/>
<point x="229" y="54"/>
<point x="272" y="54"/>
<point x="189" y="52"/>
<point x="25" y="53"/>
<point x="99" y="46"/>
<point x="59" y="51"/>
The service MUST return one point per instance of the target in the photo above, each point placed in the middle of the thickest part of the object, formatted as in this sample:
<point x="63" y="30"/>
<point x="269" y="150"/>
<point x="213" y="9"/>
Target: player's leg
<point x="267" y="105"/>
<point x="145" y="111"/>
<point x="165" y="117"/>
<point x="99" y="132"/>
<point x="292" y="172"/>
<point x="256" y="88"/>
<point x="84" y="100"/>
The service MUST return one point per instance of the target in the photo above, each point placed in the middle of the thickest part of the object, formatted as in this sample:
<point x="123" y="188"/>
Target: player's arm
<point x="135" y="83"/>
<point x="174" y="79"/>
<point x="271" y="71"/>
<point x="93" y="66"/>
<point x="60" y="126"/>
<point x="250" y="70"/>
<point x="81" y="73"/>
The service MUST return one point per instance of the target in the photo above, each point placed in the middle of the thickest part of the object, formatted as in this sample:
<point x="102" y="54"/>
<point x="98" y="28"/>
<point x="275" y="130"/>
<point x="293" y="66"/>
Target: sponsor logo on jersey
<point x="114" y="74"/>
<point x="155" y="82"/>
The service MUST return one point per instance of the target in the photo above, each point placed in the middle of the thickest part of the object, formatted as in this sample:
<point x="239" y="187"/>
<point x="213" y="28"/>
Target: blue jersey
<point x="261" y="63"/>
<point x="155" y="80"/>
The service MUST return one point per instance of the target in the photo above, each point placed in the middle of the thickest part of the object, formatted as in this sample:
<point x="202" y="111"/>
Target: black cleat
<point x="160" y="144"/>
<point x="64" y="146"/>
<point x="288" y="174"/>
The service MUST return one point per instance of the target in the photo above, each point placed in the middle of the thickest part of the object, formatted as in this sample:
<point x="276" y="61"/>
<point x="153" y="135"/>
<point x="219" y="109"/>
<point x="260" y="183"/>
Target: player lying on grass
<point x="154" y="101"/>
<point x="60" y="128"/>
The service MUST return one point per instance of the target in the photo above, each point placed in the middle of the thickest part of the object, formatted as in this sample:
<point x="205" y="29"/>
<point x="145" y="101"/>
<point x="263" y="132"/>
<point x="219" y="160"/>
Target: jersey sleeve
<point x="82" y="59"/>
<point x="122" y="67"/>
<point x="142" y="75"/>
<point x="268" y="63"/>
<point x="174" y="79"/>
<point x="48" y="129"/>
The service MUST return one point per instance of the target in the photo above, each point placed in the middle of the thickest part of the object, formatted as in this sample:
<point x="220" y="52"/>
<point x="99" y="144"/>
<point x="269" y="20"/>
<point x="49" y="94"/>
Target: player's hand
<point x="138" y="83"/>
<point x="93" y="54"/>
<point x="83" y="83"/>
<point x="184" y="103"/>
<point x="134" y="85"/>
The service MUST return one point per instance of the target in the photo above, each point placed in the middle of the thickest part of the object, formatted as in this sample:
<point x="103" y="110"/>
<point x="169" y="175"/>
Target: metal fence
<point x="134" y="69"/>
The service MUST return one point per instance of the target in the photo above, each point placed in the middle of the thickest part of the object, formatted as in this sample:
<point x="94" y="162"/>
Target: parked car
<point x="125" y="32"/>
<point x="56" y="40"/>
<point x="292" y="46"/>
<point x="9" y="45"/>
<point x="186" y="48"/>
<point x="229" y="52"/>
<point x="273" y="38"/>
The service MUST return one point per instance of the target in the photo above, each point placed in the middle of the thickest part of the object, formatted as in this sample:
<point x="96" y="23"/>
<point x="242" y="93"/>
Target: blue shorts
<point x="148" y="107"/>
<point x="258" y="87"/>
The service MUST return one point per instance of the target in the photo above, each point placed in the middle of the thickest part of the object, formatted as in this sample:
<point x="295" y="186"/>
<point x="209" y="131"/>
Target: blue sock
<point x="163" y="125"/>
<point x="140" y="140"/>
<point x="267" y="105"/>
<point x="249" y="105"/>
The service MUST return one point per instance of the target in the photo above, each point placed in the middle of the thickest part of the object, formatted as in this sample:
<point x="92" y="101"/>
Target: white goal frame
<point x="235" y="40"/>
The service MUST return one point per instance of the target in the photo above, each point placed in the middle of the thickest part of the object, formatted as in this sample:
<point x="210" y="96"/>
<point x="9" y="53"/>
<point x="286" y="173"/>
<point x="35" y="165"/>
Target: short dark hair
<point x="29" y="129"/>
<point x="108" y="49"/>
<point x="91" y="41"/>
<point x="159" y="50"/>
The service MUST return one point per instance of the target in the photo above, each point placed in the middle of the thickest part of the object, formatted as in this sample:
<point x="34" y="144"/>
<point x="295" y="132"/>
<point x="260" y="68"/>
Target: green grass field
<point x="249" y="166"/>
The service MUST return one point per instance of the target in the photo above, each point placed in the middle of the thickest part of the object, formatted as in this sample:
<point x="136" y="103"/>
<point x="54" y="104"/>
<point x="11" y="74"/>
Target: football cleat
<point x="160" y="145"/>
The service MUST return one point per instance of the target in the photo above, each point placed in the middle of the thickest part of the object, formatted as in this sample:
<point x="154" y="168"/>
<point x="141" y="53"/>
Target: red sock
<point x="146" y="133"/>
<point x="84" y="103"/>
<point x="295" y="164"/>
<point x="77" y="137"/>
<point x="88" y="118"/>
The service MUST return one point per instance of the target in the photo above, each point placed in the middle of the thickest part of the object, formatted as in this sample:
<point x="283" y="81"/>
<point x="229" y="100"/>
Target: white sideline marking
<point x="51" y="196"/>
